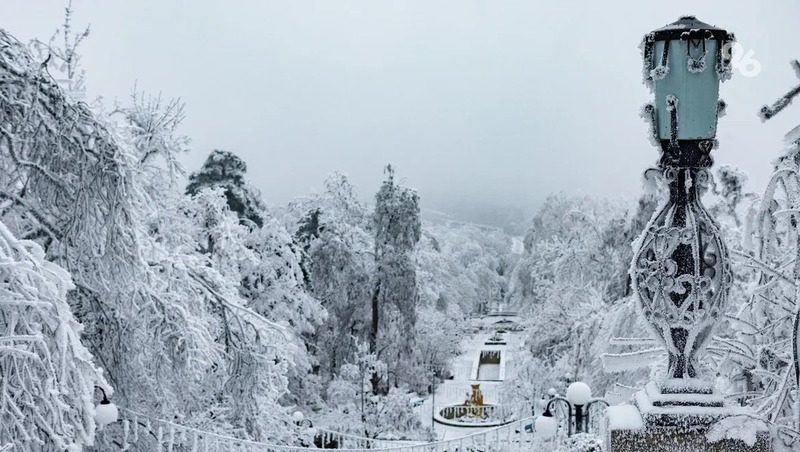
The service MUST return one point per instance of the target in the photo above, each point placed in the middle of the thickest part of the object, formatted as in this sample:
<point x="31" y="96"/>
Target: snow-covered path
<point x="455" y="391"/>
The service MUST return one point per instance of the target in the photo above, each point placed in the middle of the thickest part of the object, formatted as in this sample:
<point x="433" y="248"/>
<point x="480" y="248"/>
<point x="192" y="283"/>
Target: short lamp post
<point x="578" y="401"/>
<point x="105" y="412"/>
<point x="300" y="420"/>
<point x="433" y="367"/>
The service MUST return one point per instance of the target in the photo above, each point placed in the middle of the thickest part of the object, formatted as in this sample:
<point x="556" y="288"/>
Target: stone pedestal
<point x="675" y="416"/>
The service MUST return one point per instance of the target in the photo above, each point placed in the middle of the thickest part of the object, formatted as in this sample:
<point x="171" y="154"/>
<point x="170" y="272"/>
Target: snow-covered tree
<point x="571" y="286"/>
<point x="337" y="262"/>
<point x="397" y="230"/>
<point x="456" y="269"/>
<point x="461" y="270"/>
<point x="163" y="318"/>
<point x="758" y="355"/>
<point x="354" y="409"/>
<point x="226" y="170"/>
<point x="48" y="376"/>
<point x="273" y="285"/>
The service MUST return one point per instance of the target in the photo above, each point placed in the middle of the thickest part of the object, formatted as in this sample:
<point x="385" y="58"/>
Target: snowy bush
<point x="581" y="442"/>
<point x="47" y="376"/>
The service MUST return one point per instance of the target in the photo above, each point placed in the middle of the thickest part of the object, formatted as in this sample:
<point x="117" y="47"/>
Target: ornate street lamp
<point x="578" y="401"/>
<point x="578" y="395"/>
<point x="680" y="268"/>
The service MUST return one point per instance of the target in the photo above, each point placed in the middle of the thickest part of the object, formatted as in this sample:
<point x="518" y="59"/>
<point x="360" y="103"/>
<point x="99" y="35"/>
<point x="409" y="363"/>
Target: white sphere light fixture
<point x="105" y="413"/>
<point x="579" y="393"/>
<point x="546" y="427"/>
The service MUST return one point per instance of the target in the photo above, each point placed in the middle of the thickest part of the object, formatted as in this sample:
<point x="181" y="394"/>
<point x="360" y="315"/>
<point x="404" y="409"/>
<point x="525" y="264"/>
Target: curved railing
<point x="482" y="416"/>
<point x="350" y="441"/>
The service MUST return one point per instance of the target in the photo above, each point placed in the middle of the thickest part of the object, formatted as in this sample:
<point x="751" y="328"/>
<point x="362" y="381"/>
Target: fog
<point x="484" y="107"/>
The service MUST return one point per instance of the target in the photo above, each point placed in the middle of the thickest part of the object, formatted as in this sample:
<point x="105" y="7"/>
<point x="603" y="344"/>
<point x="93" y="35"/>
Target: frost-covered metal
<point x="677" y="59"/>
<point x="680" y="268"/>
<point x="681" y="271"/>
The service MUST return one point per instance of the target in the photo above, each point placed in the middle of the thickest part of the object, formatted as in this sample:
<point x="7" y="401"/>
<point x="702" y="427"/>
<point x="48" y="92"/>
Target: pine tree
<point x="226" y="170"/>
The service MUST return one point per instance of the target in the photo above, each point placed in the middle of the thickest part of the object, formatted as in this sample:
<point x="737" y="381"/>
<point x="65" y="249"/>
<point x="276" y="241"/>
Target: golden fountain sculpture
<point x="474" y="401"/>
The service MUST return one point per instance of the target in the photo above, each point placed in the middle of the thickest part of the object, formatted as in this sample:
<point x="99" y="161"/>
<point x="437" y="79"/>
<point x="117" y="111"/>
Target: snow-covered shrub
<point x="47" y="376"/>
<point x="756" y="354"/>
<point x="581" y="442"/>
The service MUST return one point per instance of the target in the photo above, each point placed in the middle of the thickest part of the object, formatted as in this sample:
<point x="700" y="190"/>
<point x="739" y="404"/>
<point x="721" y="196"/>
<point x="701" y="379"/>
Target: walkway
<point x="455" y="391"/>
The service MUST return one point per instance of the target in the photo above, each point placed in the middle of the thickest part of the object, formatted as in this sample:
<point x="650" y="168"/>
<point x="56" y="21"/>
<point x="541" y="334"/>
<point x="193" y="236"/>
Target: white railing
<point x="513" y="437"/>
<point x="136" y="431"/>
<point x="348" y="441"/>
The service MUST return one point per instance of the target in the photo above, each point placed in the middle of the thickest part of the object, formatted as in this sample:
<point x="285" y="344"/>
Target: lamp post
<point x="578" y="395"/>
<point x="433" y="367"/>
<point x="300" y="420"/>
<point x="433" y="399"/>
<point x="680" y="268"/>
<point x="577" y="402"/>
<point x="362" y="369"/>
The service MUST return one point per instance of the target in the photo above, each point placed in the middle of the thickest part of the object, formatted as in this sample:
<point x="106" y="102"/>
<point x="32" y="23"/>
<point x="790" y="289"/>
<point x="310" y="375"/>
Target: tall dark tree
<point x="397" y="230"/>
<point x="309" y="229"/>
<point x="225" y="170"/>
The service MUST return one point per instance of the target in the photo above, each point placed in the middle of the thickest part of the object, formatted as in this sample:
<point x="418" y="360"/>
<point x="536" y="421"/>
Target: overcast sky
<point x="486" y="104"/>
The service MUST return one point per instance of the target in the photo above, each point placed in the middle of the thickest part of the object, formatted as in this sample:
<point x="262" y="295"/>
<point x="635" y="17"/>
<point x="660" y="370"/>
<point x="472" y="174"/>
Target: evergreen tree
<point x="226" y="170"/>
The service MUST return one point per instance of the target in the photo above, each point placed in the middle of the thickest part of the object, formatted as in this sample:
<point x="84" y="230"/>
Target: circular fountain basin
<point x="486" y="415"/>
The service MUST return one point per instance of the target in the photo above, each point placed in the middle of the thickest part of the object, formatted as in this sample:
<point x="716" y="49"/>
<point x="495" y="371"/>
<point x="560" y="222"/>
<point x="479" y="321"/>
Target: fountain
<point x="475" y="413"/>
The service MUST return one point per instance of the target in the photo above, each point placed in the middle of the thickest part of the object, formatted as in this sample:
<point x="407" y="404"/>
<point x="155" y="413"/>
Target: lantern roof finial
<point x="689" y="23"/>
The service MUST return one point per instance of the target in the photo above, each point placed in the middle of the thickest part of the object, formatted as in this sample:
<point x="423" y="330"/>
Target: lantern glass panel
<point x="696" y="90"/>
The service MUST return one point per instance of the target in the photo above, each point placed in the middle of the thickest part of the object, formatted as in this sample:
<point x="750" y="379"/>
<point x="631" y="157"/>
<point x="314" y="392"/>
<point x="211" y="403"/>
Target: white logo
<point x="742" y="61"/>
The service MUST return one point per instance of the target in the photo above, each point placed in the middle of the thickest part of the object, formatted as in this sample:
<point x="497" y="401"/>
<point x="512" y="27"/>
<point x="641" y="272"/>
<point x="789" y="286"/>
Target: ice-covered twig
<point x="768" y="112"/>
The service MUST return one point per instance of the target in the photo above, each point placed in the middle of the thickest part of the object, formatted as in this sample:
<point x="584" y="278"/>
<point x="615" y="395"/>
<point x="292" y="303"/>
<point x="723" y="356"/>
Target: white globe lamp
<point x="546" y="426"/>
<point x="579" y="393"/>
<point x="105" y="413"/>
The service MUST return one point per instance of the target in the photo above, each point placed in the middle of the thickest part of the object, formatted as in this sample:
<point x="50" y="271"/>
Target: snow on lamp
<point x="684" y="63"/>
<point x="105" y="412"/>
<point x="579" y="393"/>
<point x="546" y="426"/>
<point x="680" y="268"/>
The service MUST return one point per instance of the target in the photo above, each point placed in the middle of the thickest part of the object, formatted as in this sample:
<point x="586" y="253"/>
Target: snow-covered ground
<point x="456" y="391"/>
